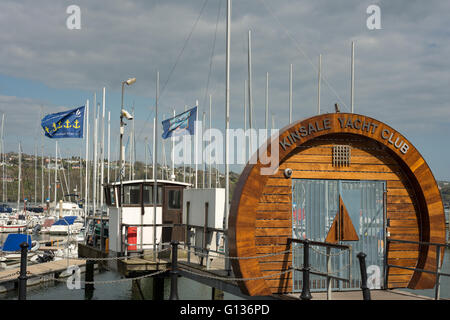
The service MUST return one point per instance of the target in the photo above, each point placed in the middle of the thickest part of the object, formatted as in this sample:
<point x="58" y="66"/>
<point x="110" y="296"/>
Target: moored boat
<point x="67" y="225"/>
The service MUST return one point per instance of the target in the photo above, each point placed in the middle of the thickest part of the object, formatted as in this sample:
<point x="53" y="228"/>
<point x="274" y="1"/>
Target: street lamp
<point x="126" y="114"/>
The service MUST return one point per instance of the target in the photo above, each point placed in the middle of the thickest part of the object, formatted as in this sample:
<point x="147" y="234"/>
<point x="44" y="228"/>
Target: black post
<point x="306" y="293"/>
<point x="89" y="277"/>
<point x="174" y="272"/>
<point x="23" y="271"/>
<point x="362" y="266"/>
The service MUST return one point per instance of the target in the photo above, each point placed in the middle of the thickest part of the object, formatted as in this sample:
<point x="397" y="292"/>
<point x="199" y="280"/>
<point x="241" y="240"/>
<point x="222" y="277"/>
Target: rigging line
<point x="304" y="53"/>
<point x="184" y="47"/>
<point x="178" y="59"/>
<point x="212" y="52"/>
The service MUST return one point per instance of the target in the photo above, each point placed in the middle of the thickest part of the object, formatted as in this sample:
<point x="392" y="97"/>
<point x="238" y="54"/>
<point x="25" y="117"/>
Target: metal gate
<point x="315" y="205"/>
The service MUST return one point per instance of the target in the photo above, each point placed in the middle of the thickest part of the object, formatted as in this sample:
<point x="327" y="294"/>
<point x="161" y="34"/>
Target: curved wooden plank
<point x="402" y="155"/>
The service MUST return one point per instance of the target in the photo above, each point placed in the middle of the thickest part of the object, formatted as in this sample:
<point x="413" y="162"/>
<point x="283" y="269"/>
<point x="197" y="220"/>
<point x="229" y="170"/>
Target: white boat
<point x="47" y="223"/>
<point x="11" y="225"/>
<point x="68" y="209"/>
<point x="67" y="225"/>
<point x="11" y="251"/>
<point x="70" y="218"/>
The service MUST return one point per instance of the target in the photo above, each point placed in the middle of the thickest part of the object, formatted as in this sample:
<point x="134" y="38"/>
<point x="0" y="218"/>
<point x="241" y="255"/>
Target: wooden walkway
<point x="391" y="294"/>
<point x="50" y="269"/>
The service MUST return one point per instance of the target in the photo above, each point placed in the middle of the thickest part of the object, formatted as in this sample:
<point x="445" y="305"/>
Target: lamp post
<point x="123" y="113"/>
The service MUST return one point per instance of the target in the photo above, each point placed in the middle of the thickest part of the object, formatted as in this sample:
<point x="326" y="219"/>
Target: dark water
<point x="187" y="288"/>
<point x="122" y="290"/>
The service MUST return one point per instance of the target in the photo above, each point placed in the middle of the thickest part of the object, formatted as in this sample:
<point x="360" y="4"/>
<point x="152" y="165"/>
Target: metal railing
<point x="306" y="294"/>
<point x="437" y="271"/>
<point x="203" y="249"/>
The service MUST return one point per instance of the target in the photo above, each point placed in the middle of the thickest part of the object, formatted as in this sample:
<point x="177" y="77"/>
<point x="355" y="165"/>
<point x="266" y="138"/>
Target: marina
<point x="165" y="193"/>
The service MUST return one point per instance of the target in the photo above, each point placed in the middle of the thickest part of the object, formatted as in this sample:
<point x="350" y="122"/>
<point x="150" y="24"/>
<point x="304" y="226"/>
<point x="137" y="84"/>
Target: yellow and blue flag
<point x="180" y="124"/>
<point x="66" y="124"/>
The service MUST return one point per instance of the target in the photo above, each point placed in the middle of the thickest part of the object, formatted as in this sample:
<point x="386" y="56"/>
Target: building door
<point x="172" y="214"/>
<point x="317" y="205"/>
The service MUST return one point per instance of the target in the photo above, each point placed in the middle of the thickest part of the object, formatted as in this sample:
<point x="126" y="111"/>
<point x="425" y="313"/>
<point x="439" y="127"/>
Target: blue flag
<point x="67" y="124"/>
<point x="180" y="125"/>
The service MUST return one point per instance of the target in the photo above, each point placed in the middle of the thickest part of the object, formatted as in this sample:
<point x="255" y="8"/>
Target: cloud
<point x="401" y="71"/>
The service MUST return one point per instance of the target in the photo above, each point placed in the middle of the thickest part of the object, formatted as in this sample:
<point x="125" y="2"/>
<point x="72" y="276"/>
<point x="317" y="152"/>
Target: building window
<point x="132" y="194"/>
<point x="148" y="195"/>
<point x="112" y="196"/>
<point x="174" y="199"/>
<point x="341" y="155"/>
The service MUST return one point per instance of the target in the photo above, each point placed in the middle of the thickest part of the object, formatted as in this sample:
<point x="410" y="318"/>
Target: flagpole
<point x="155" y="172"/>
<point x="184" y="152"/>
<point x="86" y="193"/>
<point x="227" y="124"/>
<point x="42" y="164"/>
<point x="250" y="96"/>
<point x="196" y="146"/>
<point x="209" y="155"/>
<point x="173" y="154"/>
<point x="56" y="168"/>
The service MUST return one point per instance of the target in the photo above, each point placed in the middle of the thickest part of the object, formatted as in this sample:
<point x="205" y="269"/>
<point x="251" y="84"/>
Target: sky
<point x="402" y="73"/>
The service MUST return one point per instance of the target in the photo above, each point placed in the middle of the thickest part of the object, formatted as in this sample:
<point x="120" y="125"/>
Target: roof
<point x="178" y="183"/>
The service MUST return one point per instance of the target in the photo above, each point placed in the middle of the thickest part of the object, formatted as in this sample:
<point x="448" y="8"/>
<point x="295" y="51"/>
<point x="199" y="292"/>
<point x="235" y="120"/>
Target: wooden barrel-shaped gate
<point x="260" y="220"/>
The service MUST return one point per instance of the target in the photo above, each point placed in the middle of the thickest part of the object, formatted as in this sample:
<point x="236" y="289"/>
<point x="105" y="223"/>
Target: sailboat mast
<point x="20" y="176"/>
<point x="109" y="145"/>
<point x="250" y="97"/>
<point x="102" y="150"/>
<point x="318" y="86"/>
<point x="95" y="180"/>
<point x="290" y="94"/>
<point x="352" y="86"/>
<point x="3" y="158"/>
<point x="267" y="101"/>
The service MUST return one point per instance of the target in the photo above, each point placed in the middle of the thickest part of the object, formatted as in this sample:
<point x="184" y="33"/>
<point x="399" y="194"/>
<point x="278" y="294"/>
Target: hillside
<point x="36" y="176"/>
